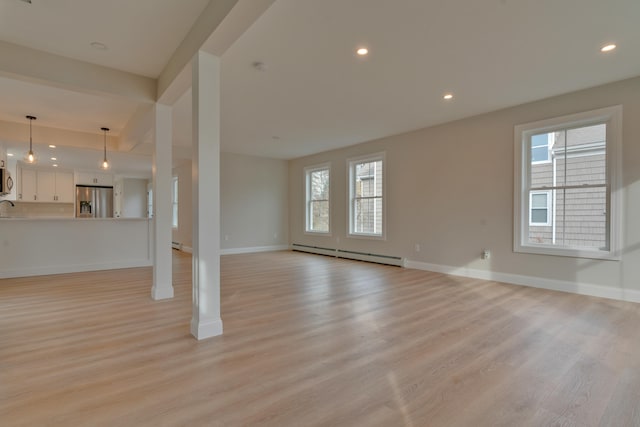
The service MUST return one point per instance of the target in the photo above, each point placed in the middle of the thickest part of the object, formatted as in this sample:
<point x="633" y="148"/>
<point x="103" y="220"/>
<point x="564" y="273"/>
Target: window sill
<point x="567" y="252"/>
<point x="367" y="236"/>
<point x="318" y="233"/>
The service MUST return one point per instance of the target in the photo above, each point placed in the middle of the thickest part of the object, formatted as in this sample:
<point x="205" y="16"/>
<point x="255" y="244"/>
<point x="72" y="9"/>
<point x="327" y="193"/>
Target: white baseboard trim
<point x="234" y="251"/>
<point x="590" y="289"/>
<point x="206" y="328"/>
<point x="62" y="269"/>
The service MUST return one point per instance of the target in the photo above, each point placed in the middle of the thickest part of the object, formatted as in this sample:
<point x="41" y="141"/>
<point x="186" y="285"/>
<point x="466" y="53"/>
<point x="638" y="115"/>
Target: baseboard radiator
<point x="359" y="256"/>
<point x="176" y="245"/>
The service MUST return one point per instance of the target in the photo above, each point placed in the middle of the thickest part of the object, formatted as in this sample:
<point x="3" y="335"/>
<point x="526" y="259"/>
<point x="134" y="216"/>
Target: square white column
<point x="206" y="321"/>
<point x="162" y="258"/>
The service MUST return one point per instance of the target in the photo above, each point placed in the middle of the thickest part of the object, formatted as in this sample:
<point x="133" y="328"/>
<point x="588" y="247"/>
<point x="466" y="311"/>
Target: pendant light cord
<point x="30" y="153"/>
<point x="104" y="160"/>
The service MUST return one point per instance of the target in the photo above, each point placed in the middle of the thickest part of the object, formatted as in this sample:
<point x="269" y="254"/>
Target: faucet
<point x="8" y="201"/>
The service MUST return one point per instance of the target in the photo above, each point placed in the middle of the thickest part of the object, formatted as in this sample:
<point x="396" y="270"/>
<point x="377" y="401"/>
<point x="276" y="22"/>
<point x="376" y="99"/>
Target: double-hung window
<point x="174" y="202"/>
<point x="366" y="196"/>
<point x="317" y="180"/>
<point x="567" y="185"/>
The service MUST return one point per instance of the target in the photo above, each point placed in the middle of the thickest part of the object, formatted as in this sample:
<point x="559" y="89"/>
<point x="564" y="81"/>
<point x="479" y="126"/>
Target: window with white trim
<point x="366" y="196"/>
<point x="317" y="183"/>
<point x="567" y="193"/>
<point x="174" y="202"/>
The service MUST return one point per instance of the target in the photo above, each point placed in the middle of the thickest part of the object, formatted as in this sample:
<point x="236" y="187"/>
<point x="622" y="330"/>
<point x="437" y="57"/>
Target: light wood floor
<point x="314" y="341"/>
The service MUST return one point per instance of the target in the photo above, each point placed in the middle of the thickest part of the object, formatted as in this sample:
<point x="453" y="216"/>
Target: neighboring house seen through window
<point x="540" y="147"/>
<point x="317" y="179"/>
<point x="567" y="185"/>
<point x="366" y="194"/>
<point x="540" y="208"/>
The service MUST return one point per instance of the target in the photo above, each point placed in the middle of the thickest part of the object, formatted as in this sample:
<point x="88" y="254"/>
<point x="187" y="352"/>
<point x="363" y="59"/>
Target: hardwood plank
<point x="313" y="341"/>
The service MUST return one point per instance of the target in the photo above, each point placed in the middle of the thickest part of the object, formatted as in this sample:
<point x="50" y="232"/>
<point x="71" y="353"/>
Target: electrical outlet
<point x="486" y="254"/>
<point x="417" y="247"/>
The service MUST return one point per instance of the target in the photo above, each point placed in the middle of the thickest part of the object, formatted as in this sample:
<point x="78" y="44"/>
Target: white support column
<point x="162" y="262"/>
<point x="206" y="321"/>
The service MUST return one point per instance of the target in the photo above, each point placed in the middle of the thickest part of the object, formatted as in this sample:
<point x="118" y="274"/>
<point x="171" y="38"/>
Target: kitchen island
<point x="37" y="246"/>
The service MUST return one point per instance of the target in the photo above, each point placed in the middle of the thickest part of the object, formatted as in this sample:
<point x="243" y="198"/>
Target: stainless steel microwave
<point x="6" y="182"/>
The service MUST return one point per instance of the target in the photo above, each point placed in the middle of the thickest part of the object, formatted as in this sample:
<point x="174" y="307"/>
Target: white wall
<point x="450" y="189"/>
<point x="253" y="203"/>
<point x="134" y="198"/>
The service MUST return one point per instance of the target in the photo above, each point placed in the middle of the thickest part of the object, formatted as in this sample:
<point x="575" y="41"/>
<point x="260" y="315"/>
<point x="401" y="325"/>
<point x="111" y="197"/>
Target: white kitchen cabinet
<point x="64" y="187"/>
<point x="94" y="178"/>
<point x="56" y="187"/>
<point x="42" y="185"/>
<point x="45" y="186"/>
<point x="28" y="185"/>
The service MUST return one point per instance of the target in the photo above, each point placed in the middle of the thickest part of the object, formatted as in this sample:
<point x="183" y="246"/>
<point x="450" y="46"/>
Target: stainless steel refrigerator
<point x="94" y="202"/>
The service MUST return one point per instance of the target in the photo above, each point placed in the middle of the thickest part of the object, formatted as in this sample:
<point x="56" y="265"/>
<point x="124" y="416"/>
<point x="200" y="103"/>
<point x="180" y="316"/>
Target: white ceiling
<point x="64" y="109"/>
<point x="315" y="93"/>
<point x="141" y="35"/>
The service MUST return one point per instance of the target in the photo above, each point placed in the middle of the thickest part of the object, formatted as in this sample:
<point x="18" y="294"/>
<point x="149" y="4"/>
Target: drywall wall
<point x="134" y="198"/>
<point x="450" y="190"/>
<point x="253" y="203"/>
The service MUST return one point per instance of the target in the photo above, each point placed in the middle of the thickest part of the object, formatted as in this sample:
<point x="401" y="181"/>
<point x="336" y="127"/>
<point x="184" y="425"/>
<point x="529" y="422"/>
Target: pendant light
<point x="105" y="162"/>
<point x="30" y="157"/>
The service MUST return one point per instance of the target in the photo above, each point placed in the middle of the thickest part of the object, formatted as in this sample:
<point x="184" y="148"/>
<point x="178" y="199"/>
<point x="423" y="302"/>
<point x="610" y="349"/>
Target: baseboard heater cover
<point x="359" y="256"/>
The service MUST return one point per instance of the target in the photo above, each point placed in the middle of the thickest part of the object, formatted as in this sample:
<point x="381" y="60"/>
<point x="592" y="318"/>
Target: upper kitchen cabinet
<point x="94" y="178"/>
<point x="55" y="186"/>
<point x="64" y="187"/>
<point x="27" y="185"/>
<point x="43" y="185"/>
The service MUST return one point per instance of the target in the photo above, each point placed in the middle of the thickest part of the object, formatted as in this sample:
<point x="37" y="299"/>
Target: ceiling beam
<point x="35" y="66"/>
<point x="218" y="27"/>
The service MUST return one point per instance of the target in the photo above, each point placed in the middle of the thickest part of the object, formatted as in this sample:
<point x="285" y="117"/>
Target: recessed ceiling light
<point x="10" y="154"/>
<point x="54" y="159"/>
<point x="448" y="96"/>
<point x="55" y="165"/>
<point x="275" y="137"/>
<point x="608" y="48"/>
<point x="98" y="45"/>
<point x="52" y="146"/>
<point x="362" y="51"/>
